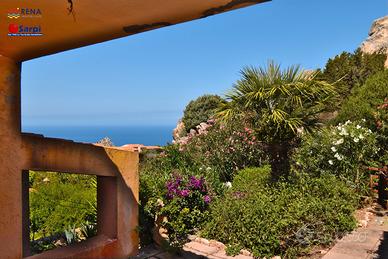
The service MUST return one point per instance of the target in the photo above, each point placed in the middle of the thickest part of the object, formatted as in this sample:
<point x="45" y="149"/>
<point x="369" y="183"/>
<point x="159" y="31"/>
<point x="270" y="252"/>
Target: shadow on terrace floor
<point x="153" y="252"/>
<point x="382" y="251"/>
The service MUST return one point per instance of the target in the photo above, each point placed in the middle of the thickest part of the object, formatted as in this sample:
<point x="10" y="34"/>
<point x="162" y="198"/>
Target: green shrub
<point x="363" y="102"/>
<point x="381" y="117"/>
<point x="351" y="70"/>
<point x="200" y="110"/>
<point x="342" y="151"/>
<point x="58" y="201"/>
<point x="281" y="218"/>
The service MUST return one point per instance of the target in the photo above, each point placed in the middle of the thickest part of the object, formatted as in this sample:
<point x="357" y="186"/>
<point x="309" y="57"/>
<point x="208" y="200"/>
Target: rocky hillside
<point x="378" y="37"/>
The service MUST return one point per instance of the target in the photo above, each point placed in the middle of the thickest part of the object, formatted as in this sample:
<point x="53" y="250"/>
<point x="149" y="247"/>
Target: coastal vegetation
<point x="284" y="160"/>
<point x="277" y="167"/>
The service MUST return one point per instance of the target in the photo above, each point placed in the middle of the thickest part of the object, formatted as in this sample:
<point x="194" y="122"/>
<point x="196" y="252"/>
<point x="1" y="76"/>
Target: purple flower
<point x="207" y="198"/>
<point x="184" y="193"/>
<point x="196" y="183"/>
<point x="173" y="188"/>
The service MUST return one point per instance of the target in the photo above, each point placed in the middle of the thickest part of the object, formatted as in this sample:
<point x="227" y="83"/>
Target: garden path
<point x="367" y="242"/>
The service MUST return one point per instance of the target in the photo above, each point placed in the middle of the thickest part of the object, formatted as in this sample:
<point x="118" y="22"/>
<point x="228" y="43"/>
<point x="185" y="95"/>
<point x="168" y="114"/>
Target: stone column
<point x="11" y="240"/>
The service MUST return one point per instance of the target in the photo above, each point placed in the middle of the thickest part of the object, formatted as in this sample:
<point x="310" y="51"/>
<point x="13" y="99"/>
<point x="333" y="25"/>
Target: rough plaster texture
<point x="117" y="171"/>
<point x="71" y="24"/>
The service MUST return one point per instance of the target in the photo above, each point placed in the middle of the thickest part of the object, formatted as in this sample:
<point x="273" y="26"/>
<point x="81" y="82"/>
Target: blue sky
<point x="147" y="79"/>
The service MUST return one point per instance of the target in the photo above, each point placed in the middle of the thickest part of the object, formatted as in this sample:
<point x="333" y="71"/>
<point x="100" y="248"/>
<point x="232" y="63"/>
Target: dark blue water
<point x="120" y="135"/>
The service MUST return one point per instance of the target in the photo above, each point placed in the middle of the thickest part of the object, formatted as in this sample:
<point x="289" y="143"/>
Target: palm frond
<point x="286" y="99"/>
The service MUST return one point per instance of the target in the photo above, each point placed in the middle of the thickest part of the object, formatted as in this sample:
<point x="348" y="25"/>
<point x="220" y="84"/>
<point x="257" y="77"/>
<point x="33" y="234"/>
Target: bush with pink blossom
<point x="227" y="148"/>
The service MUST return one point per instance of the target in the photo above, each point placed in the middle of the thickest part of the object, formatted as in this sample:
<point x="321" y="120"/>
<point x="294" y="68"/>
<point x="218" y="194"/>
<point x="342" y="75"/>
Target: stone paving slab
<point x="199" y="248"/>
<point x="364" y="243"/>
<point x="192" y="250"/>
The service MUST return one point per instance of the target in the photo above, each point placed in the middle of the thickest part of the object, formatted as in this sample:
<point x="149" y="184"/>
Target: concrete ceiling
<point x="69" y="24"/>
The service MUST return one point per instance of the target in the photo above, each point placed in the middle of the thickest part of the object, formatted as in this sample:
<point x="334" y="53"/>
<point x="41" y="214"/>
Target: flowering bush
<point x="340" y="150"/>
<point x="226" y="149"/>
<point x="156" y="171"/>
<point x="185" y="206"/>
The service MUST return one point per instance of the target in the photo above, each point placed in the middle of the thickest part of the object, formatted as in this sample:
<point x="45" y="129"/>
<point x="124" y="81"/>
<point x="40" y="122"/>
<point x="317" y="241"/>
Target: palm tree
<point x="277" y="104"/>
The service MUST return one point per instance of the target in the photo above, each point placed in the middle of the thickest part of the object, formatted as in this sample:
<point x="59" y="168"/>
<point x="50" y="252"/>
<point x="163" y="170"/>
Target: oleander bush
<point x="227" y="148"/>
<point x="344" y="151"/>
<point x="200" y="110"/>
<point x="283" y="218"/>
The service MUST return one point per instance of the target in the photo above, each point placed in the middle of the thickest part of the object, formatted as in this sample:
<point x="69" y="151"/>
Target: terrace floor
<point x="370" y="241"/>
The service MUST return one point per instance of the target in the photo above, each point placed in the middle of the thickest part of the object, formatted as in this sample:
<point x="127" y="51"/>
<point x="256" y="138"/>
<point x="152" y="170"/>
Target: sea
<point x="119" y="135"/>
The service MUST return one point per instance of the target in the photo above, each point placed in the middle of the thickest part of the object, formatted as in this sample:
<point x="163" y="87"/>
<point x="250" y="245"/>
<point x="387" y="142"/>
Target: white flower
<point x="361" y="136"/>
<point x="208" y="169"/>
<point x="356" y="140"/>
<point x="160" y="202"/>
<point x="347" y="122"/>
<point x="331" y="162"/>
<point x="358" y="127"/>
<point x="333" y="149"/>
<point x="343" y="132"/>
<point x="364" y="120"/>
<point x="228" y="184"/>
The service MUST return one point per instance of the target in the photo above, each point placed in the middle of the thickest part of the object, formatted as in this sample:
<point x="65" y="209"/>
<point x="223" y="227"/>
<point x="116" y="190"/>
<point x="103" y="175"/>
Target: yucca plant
<point x="277" y="104"/>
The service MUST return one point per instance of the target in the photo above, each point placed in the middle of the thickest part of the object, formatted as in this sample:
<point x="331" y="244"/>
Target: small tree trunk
<point x="280" y="163"/>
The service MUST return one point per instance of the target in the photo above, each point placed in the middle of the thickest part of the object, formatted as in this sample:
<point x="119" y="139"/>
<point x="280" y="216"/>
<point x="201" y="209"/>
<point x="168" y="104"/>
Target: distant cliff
<point x="378" y="38"/>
